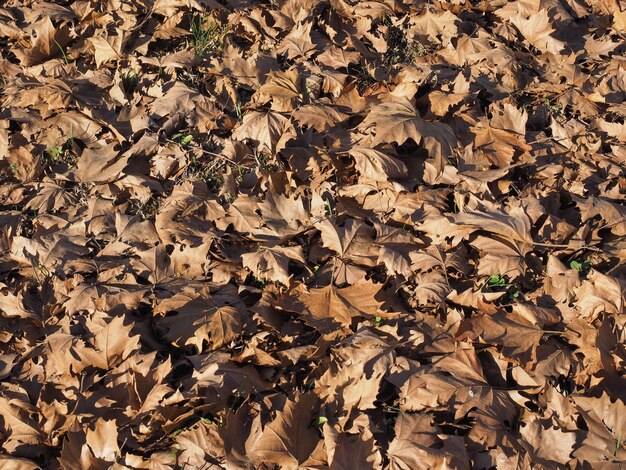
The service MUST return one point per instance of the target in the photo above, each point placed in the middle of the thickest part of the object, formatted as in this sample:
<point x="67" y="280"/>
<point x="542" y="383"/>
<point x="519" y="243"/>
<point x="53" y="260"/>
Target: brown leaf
<point x="272" y="263"/>
<point x="400" y="121"/>
<point x="376" y="165"/>
<point x="290" y="439"/>
<point x="196" y="314"/>
<point x="328" y="306"/>
<point x="46" y="42"/>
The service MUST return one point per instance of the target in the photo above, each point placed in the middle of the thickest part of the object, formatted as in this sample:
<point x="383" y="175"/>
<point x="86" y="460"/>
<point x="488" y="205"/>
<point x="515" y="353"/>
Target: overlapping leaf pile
<point x="312" y="233"/>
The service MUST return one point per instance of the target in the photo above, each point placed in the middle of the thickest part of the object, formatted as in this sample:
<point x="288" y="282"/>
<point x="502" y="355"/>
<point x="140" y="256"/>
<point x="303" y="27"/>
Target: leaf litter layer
<point x="312" y="234"/>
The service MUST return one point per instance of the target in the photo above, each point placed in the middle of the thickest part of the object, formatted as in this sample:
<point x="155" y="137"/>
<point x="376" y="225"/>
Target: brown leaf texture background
<point x="312" y="234"/>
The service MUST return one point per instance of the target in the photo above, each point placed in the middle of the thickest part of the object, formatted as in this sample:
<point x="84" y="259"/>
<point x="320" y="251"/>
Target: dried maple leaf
<point x="600" y="293"/>
<point x="606" y="423"/>
<point x="353" y="245"/>
<point x="272" y="263"/>
<point x="326" y="307"/>
<point x="613" y="216"/>
<point x="283" y="89"/>
<point x="205" y="312"/>
<point x="19" y="425"/>
<point x="549" y="444"/>
<point x="319" y="117"/>
<point x="513" y="226"/>
<point x="400" y="121"/>
<point x="102" y="440"/>
<point x="111" y="342"/>
<point x="354" y="379"/>
<point x="107" y="48"/>
<point x="289" y="440"/>
<point x="438" y="27"/>
<point x="518" y="336"/>
<point x="201" y="445"/>
<point x="46" y="42"/>
<point x="430" y="288"/>
<point x="268" y="130"/>
<point x="501" y="256"/>
<point x="348" y="450"/>
<point x="537" y="30"/>
<point x="418" y="442"/>
<point x="503" y="135"/>
<point x="376" y="165"/>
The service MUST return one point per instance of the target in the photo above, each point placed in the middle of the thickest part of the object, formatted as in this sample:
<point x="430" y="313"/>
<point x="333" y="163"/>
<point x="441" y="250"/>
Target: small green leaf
<point x="580" y="267"/>
<point x="496" y="281"/>
<point x="186" y="140"/>
<point x="576" y="265"/>
<point x="377" y="321"/>
<point x="321" y="420"/>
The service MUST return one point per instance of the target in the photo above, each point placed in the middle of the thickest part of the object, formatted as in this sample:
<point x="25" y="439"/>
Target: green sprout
<point x="183" y="139"/>
<point x="500" y="282"/>
<point x="207" y="36"/>
<point x="62" y="52"/>
<point x="56" y="152"/>
<point x="130" y="80"/>
<point x="580" y="267"/>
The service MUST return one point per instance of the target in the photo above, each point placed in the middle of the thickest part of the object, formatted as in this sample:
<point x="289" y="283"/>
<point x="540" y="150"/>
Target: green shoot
<point x="183" y="139"/>
<point x="580" y="267"/>
<point x="130" y="81"/>
<point x="56" y="152"/>
<point x="329" y="208"/>
<point x="238" y="112"/>
<point x="62" y="52"/>
<point x="207" y="36"/>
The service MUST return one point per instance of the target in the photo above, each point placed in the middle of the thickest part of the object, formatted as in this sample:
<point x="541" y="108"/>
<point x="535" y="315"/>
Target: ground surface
<point x="310" y="234"/>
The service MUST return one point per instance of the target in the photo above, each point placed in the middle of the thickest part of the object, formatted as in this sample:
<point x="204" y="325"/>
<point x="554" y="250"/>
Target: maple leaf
<point x="430" y="288"/>
<point x="288" y="440"/>
<point x="328" y="306"/>
<point x="273" y="262"/>
<point x="210" y="313"/>
<point x="417" y="442"/>
<point x="346" y="450"/>
<point x="107" y="49"/>
<point x="437" y="27"/>
<point x="319" y="117"/>
<point x="376" y="165"/>
<point x="19" y="426"/>
<point x="550" y="444"/>
<point x="283" y="88"/>
<point x="400" y="121"/>
<point x="501" y="256"/>
<point x="102" y="440"/>
<point x="353" y="245"/>
<point x="606" y="421"/>
<point x="148" y="193"/>
<point x="600" y="293"/>
<point x="538" y="30"/>
<point x="111" y="342"/>
<point x="268" y="130"/>
<point x="518" y="336"/>
<point x="46" y="42"/>
<point x="503" y="134"/>
<point x="613" y="215"/>
<point x="513" y="226"/>
<point x="354" y="379"/>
